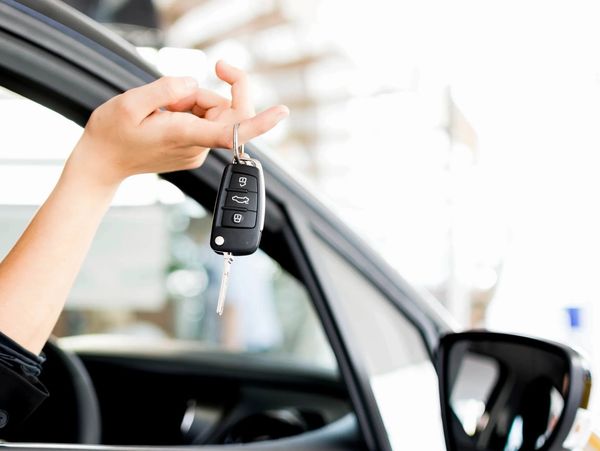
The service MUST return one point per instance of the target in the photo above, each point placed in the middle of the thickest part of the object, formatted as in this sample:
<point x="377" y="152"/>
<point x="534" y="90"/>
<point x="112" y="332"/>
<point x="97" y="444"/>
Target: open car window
<point x="150" y="273"/>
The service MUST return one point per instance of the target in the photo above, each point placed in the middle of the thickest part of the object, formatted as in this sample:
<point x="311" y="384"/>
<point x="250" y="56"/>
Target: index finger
<point x="201" y="132"/>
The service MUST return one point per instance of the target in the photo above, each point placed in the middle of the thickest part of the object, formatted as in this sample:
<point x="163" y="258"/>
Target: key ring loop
<point x="238" y="150"/>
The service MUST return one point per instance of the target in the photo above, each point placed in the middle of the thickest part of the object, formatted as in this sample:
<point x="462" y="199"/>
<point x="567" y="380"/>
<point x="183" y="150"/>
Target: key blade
<point x="228" y="260"/>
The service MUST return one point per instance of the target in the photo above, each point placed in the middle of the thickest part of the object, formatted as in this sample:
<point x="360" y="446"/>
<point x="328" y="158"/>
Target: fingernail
<point x="190" y="83"/>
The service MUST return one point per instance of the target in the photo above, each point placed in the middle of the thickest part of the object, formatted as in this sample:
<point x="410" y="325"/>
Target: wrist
<point x="87" y="165"/>
<point x="84" y="191"/>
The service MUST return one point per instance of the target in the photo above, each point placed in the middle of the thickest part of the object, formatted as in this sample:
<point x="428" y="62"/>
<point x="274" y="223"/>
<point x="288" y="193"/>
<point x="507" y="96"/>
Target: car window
<point x="390" y="351"/>
<point x="150" y="273"/>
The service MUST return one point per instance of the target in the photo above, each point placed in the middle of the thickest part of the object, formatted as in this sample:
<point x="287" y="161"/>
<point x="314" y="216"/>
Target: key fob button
<point x="239" y="219"/>
<point x="239" y="213"/>
<point x="238" y="199"/>
<point x="240" y="181"/>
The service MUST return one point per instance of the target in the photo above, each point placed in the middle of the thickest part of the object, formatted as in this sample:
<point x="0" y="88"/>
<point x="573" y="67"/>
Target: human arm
<point x="130" y="134"/>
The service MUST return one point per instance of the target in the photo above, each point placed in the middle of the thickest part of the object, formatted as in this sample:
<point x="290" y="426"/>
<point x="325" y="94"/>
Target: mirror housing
<point x="509" y="393"/>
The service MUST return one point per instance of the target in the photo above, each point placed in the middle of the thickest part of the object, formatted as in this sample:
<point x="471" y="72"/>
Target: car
<point x="375" y="364"/>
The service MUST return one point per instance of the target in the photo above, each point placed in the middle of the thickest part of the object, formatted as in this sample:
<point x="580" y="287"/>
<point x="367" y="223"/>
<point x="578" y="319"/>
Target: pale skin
<point x="144" y="130"/>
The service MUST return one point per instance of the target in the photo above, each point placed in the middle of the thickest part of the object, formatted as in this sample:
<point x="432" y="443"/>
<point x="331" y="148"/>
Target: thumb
<point x="146" y="99"/>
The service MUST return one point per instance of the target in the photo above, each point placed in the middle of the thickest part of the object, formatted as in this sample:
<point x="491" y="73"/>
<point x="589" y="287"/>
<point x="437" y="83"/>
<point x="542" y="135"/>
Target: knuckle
<point x="223" y="104"/>
<point x="177" y="130"/>
<point x="125" y="106"/>
<point x="95" y="117"/>
<point x="170" y="86"/>
<point x="101" y="116"/>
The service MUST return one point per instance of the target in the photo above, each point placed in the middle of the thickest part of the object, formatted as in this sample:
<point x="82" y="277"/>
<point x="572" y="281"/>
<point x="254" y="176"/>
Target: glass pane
<point x="476" y="378"/>
<point x="393" y="354"/>
<point x="151" y="274"/>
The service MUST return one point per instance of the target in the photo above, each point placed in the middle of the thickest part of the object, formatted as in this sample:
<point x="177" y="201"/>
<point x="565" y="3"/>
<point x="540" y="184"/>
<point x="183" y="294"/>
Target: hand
<point x="215" y="108"/>
<point x="147" y="129"/>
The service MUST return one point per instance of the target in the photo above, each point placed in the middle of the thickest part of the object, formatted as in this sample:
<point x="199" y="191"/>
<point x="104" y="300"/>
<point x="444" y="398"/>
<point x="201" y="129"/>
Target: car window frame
<point x="311" y="228"/>
<point x="56" y="81"/>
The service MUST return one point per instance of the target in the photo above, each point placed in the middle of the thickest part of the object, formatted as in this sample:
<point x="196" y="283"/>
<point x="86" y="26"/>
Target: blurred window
<point x="150" y="273"/>
<point x="392" y="354"/>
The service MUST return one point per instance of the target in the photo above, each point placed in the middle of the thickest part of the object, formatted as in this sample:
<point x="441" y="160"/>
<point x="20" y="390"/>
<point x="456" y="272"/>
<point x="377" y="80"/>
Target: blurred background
<point x="459" y="138"/>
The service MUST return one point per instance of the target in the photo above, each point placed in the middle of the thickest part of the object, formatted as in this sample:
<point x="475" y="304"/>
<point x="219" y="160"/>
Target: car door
<point x="382" y="333"/>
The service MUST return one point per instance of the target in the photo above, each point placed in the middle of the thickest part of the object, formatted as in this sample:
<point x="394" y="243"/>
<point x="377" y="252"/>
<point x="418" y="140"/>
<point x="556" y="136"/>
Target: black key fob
<point x="239" y="213"/>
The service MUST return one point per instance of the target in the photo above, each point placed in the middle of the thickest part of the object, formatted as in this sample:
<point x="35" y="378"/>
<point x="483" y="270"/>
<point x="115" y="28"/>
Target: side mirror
<point x="509" y="393"/>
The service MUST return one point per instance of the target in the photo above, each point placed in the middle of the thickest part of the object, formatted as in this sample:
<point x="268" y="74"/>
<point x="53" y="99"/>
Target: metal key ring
<point x="238" y="150"/>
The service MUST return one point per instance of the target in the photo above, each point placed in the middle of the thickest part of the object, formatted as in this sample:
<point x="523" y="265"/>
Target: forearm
<point x="38" y="273"/>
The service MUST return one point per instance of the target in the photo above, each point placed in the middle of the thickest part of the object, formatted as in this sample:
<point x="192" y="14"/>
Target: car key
<point x="228" y="260"/>
<point x="239" y="212"/>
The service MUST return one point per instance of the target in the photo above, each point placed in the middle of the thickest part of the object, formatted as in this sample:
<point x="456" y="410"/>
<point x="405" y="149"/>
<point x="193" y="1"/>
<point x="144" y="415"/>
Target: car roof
<point x="87" y="31"/>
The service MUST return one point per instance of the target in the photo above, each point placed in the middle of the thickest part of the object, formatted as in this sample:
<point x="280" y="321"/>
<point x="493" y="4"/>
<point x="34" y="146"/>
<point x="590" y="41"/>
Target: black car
<point x="372" y="365"/>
